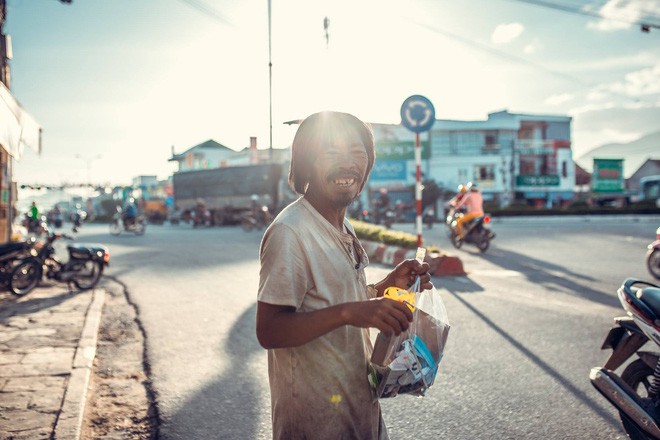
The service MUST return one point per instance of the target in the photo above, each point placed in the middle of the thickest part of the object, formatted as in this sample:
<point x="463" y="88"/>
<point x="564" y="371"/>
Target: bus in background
<point x="649" y="189"/>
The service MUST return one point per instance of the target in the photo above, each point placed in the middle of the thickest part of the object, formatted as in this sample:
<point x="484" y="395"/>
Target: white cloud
<point x="621" y="14"/>
<point x="506" y="33"/>
<point x="643" y="82"/>
<point x="532" y="47"/>
<point x="559" y="99"/>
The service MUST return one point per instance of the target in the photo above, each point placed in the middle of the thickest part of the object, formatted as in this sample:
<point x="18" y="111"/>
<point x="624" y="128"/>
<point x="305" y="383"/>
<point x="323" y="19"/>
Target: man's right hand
<point x="389" y="316"/>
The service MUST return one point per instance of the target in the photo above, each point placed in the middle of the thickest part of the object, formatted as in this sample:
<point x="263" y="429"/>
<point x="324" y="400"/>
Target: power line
<point x="510" y="57"/>
<point x="205" y="9"/>
<point x="645" y="25"/>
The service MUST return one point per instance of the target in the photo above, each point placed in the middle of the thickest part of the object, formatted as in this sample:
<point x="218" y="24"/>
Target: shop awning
<point x="17" y="128"/>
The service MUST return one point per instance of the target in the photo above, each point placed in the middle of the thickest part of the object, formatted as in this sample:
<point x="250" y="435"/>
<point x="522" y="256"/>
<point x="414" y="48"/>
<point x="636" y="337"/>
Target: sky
<point x="117" y="86"/>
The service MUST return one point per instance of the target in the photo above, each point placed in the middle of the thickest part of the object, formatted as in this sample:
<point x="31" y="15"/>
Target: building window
<point x="484" y="173"/>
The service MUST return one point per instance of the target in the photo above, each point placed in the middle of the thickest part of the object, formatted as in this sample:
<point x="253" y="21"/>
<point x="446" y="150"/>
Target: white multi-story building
<point x="519" y="157"/>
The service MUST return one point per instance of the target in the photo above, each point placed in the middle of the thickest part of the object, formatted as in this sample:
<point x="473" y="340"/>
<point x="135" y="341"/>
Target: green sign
<point x="608" y="176"/>
<point x="400" y="150"/>
<point x="546" y="180"/>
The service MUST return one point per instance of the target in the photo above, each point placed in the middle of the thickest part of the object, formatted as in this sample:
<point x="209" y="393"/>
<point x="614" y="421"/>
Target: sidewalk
<point x="47" y="346"/>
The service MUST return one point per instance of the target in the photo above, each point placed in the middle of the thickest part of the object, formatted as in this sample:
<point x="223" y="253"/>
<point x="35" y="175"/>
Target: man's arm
<point x="281" y="326"/>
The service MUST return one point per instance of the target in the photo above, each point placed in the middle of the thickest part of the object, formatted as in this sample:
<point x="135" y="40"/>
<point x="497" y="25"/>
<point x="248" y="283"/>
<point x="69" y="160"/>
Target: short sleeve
<point x="283" y="277"/>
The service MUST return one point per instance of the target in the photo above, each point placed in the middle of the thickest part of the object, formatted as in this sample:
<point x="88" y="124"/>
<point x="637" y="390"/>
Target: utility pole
<point x="270" y="89"/>
<point x="5" y="47"/>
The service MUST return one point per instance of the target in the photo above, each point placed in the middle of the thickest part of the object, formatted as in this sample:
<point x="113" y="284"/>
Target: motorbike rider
<point x="32" y="218"/>
<point x="473" y="201"/>
<point x="382" y="205"/>
<point x="34" y="212"/>
<point x="129" y="213"/>
<point x="201" y="214"/>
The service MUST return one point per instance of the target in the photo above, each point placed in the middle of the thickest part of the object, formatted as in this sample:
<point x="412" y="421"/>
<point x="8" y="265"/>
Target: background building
<point x="512" y="157"/>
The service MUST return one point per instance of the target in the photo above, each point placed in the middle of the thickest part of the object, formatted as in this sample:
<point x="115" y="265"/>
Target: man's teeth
<point x="344" y="182"/>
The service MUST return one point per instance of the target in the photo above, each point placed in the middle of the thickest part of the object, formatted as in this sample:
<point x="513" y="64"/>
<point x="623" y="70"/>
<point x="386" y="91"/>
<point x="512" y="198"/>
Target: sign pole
<point x="418" y="188"/>
<point x="418" y="115"/>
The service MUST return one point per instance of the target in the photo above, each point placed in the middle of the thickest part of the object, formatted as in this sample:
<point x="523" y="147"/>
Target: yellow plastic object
<point x="401" y="295"/>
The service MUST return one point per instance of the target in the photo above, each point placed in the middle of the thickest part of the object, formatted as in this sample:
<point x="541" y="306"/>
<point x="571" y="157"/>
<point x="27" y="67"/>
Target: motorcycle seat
<point x="650" y="296"/>
<point x="8" y="248"/>
<point x="85" y="251"/>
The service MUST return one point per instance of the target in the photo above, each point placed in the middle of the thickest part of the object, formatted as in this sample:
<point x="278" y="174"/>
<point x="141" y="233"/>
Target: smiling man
<point x="314" y="306"/>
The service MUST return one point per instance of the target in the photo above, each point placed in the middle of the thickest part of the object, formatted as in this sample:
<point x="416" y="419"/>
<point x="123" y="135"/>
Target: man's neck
<point x="334" y="216"/>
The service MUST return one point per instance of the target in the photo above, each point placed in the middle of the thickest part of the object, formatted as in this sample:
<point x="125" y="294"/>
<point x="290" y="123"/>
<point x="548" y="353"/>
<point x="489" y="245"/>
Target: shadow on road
<point x="549" y="276"/>
<point x="544" y="366"/>
<point x="235" y="396"/>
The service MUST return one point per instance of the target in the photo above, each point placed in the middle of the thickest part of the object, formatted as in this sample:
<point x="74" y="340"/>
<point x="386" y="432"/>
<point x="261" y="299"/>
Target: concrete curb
<point x="69" y="422"/>
<point x="441" y="264"/>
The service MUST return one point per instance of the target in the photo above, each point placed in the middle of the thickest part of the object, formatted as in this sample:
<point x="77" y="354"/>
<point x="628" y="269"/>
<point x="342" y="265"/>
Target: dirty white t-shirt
<point x="319" y="390"/>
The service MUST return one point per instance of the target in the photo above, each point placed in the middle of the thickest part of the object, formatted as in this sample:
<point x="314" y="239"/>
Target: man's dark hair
<point x="315" y="133"/>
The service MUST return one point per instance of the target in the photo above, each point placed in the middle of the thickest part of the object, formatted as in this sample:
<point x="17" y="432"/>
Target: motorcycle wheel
<point x="115" y="228"/>
<point x="640" y="377"/>
<point x="88" y="275"/>
<point x="653" y="262"/>
<point x="455" y="240"/>
<point x="483" y="242"/>
<point x="24" y="278"/>
<point x="140" y="228"/>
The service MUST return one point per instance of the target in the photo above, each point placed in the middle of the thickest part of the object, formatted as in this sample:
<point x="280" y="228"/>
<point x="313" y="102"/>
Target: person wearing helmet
<point x="129" y="213"/>
<point x="455" y="202"/>
<point x="473" y="203"/>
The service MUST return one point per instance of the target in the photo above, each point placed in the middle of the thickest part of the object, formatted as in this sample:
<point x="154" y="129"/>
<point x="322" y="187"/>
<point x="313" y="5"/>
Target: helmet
<point x="472" y="186"/>
<point x="462" y="188"/>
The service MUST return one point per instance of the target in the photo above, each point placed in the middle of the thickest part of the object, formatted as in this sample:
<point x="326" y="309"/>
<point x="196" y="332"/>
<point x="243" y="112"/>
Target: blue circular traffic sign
<point x="417" y="114"/>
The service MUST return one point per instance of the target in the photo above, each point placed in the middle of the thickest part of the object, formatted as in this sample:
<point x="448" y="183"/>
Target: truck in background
<point x="231" y="192"/>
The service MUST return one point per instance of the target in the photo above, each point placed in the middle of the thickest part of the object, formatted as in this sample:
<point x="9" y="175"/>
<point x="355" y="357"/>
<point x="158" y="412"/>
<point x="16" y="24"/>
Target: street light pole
<point x="270" y="88"/>
<point x="88" y="162"/>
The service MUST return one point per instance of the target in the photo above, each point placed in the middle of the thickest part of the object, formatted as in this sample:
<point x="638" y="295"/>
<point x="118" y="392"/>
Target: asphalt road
<point x="527" y="325"/>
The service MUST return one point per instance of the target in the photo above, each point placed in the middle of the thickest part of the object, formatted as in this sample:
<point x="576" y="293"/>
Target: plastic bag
<point x="408" y="363"/>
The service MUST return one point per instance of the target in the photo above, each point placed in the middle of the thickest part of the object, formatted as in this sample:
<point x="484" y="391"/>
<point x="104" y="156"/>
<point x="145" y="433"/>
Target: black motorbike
<point x="635" y="392"/>
<point x="11" y="254"/>
<point x="477" y="231"/>
<point x="83" y="268"/>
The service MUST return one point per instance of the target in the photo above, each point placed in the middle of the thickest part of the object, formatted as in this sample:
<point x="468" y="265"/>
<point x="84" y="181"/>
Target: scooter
<point x="83" y="268"/>
<point x="635" y="392"/>
<point x="653" y="256"/>
<point x="477" y="231"/>
<point x="136" y="226"/>
<point x="261" y="219"/>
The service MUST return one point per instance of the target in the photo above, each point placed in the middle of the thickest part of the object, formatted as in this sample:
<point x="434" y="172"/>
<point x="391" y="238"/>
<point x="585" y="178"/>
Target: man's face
<point x="339" y="171"/>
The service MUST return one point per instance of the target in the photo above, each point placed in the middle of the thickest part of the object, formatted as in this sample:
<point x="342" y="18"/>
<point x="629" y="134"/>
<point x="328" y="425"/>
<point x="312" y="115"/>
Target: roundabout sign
<point x="417" y="114"/>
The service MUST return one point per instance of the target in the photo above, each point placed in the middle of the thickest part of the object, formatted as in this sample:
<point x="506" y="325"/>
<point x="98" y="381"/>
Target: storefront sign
<point x="608" y="176"/>
<point x="389" y="170"/>
<point x="400" y="150"/>
<point x="547" y="180"/>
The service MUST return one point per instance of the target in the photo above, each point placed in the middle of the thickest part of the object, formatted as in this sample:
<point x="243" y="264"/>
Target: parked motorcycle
<point x="635" y="393"/>
<point x="11" y="254"/>
<point x="35" y="226"/>
<point x="477" y="230"/>
<point x="653" y="256"/>
<point x="83" y="268"/>
<point x="137" y="225"/>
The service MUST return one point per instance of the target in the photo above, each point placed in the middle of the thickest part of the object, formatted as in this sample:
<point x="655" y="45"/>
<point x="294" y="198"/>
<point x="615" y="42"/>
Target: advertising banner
<point x="608" y="176"/>
<point x="389" y="170"/>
